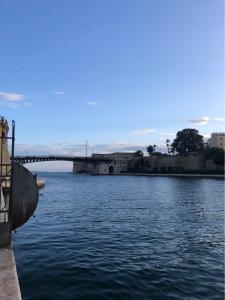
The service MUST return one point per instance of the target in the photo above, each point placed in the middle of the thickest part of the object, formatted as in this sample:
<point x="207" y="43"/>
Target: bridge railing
<point x="37" y="158"/>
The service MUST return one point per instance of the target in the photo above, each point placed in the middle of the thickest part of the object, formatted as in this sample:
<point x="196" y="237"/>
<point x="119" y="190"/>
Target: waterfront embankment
<point x="222" y="176"/>
<point x="9" y="284"/>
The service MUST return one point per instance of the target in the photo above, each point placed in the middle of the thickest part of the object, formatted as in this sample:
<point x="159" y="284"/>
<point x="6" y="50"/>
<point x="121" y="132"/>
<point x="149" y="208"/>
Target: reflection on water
<point x="115" y="237"/>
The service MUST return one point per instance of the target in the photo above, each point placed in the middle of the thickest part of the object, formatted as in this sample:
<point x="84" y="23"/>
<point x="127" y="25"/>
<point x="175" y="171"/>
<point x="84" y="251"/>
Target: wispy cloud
<point x="141" y="131"/>
<point x="220" y="119"/>
<point x="12" y="97"/>
<point x="199" y="120"/>
<point x="58" y="93"/>
<point x="9" y="104"/>
<point x="91" y="103"/>
<point x="203" y="120"/>
<point x="27" y="104"/>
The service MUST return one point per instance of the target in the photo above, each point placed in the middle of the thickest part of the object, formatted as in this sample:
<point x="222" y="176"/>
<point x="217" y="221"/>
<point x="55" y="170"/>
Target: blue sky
<point x="121" y="74"/>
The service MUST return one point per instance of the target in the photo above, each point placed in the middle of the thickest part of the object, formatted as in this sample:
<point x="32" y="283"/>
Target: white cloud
<point x="91" y="103"/>
<point x="220" y="119"/>
<point x="58" y="93"/>
<point x="203" y="120"/>
<point x="27" y="104"/>
<point x="197" y="120"/>
<point x="141" y="131"/>
<point x="200" y="120"/>
<point x="12" y="97"/>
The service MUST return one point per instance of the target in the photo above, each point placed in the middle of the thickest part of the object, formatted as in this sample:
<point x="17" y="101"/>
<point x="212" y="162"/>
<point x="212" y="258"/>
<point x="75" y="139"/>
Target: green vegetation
<point x="167" y="144"/>
<point x="187" y="140"/>
<point x="150" y="149"/>
<point x="216" y="155"/>
<point x="139" y="154"/>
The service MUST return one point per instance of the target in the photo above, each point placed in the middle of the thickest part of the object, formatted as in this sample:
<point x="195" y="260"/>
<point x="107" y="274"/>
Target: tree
<point x="139" y="154"/>
<point x="187" y="140"/>
<point x="167" y="144"/>
<point x="150" y="149"/>
<point x="216" y="155"/>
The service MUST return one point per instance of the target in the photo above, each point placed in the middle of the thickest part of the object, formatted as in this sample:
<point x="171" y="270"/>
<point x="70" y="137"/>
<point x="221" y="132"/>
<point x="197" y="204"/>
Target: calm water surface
<point x="123" y="237"/>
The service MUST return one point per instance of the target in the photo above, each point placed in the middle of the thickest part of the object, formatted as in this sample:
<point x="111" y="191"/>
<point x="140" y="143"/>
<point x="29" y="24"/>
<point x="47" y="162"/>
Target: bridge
<point x="39" y="158"/>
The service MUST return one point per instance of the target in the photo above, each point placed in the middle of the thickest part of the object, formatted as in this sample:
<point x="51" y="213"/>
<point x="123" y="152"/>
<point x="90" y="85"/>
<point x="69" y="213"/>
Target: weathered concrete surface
<point x="9" y="284"/>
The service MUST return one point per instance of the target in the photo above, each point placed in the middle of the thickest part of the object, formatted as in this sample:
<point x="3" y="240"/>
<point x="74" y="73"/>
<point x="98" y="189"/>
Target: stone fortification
<point x="4" y="153"/>
<point x="127" y="162"/>
<point x="119" y="163"/>
<point x="217" y="140"/>
<point x="191" y="163"/>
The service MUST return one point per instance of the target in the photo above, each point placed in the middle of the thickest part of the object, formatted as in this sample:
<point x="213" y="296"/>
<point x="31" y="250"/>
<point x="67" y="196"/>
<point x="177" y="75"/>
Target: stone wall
<point x="191" y="163"/>
<point x="4" y="153"/>
<point x="160" y="164"/>
<point x="119" y="164"/>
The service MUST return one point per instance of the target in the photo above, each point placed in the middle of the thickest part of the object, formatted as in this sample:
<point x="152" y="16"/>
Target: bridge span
<point x="39" y="158"/>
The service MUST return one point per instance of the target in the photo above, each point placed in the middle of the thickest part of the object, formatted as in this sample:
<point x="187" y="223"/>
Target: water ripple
<point x="123" y="238"/>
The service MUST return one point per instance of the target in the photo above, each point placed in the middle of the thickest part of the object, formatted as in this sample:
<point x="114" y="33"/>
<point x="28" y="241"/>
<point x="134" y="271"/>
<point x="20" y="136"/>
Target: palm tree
<point x="167" y="144"/>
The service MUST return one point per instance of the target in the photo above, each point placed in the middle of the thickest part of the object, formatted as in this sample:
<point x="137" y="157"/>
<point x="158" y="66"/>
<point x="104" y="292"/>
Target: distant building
<point x="217" y="140"/>
<point x="119" y="164"/>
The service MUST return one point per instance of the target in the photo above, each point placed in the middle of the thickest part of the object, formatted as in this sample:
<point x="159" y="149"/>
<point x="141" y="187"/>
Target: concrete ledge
<point x="9" y="284"/>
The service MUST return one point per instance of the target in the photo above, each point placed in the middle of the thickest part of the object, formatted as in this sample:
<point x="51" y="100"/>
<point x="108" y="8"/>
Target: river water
<point x="123" y="237"/>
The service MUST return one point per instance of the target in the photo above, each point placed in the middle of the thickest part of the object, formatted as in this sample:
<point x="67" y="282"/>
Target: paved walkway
<point x="9" y="284"/>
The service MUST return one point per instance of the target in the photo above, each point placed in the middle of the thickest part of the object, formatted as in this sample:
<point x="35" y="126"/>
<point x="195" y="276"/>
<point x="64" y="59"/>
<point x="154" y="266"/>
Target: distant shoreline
<point x="175" y="175"/>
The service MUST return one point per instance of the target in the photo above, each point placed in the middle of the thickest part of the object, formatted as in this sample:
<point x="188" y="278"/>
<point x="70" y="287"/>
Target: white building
<point x="217" y="140"/>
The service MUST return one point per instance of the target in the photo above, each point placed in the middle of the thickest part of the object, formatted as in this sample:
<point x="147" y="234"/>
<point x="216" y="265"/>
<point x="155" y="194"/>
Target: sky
<point x="121" y="74"/>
